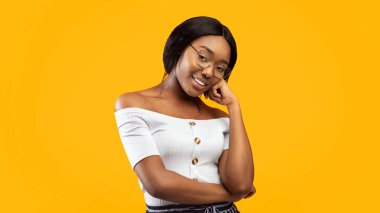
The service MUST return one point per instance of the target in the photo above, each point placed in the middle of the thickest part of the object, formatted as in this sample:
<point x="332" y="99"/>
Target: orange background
<point x="306" y="76"/>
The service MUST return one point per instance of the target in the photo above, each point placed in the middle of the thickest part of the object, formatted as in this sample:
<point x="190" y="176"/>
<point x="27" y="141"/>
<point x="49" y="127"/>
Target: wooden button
<point x="194" y="161"/>
<point x="197" y="140"/>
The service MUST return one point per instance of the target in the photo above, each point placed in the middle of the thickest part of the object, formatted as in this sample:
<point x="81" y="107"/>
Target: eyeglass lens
<point x="219" y="70"/>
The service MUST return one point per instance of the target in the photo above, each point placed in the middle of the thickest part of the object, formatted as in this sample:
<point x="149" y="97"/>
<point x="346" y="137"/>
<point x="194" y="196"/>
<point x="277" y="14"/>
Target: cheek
<point x="194" y="67"/>
<point x="189" y="67"/>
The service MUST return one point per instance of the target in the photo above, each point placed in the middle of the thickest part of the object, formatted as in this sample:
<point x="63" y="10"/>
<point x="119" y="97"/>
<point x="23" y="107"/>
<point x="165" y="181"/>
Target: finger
<point x="217" y="100"/>
<point x="253" y="191"/>
<point x="205" y="94"/>
<point x="208" y="93"/>
<point x="212" y="97"/>
<point x="215" y="92"/>
<point x="249" y="195"/>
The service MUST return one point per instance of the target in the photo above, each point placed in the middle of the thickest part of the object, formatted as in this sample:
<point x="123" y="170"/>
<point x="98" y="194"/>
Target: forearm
<point x="239" y="170"/>
<point x="180" y="189"/>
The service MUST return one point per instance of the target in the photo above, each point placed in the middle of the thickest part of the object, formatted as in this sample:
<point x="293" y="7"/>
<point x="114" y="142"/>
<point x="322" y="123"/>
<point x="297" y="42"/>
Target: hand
<point x="225" y="97"/>
<point x="253" y="191"/>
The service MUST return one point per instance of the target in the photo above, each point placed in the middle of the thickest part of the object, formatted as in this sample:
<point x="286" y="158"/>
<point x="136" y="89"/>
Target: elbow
<point x="155" y="183"/>
<point x="157" y="189"/>
<point x="242" y="190"/>
<point x="239" y="187"/>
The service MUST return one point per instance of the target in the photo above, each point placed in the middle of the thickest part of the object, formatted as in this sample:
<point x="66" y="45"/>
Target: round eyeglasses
<point x="220" y="71"/>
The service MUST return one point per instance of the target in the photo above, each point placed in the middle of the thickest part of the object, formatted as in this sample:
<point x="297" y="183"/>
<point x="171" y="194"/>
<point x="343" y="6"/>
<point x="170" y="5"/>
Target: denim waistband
<point x="222" y="207"/>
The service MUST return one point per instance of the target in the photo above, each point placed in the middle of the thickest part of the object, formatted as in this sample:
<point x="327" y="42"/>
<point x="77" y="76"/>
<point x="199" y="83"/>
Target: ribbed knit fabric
<point x="189" y="147"/>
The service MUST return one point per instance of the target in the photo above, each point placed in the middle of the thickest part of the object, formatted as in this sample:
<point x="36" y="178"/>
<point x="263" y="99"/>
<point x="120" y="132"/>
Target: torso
<point x="147" y="99"/>
<point x="173" y="139"/>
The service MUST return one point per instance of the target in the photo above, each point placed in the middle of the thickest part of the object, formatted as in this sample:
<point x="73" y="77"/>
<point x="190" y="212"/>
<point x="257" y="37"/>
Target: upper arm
<point x="224" y="156"/>
<point x="139" y="145"/>
<point x="222" y="166"/>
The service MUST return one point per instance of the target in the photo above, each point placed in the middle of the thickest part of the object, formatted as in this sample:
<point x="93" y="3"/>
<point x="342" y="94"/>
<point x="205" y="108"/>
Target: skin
<point x="176" y="97"/>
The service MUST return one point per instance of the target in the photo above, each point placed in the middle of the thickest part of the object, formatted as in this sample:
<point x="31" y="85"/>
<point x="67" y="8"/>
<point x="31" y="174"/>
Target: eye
<point x="221" y="69"/>
<point x="202" y="58"/>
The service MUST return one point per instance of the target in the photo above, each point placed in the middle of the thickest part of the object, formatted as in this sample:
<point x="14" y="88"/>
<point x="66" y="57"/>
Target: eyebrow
<point x="212" y="52"/>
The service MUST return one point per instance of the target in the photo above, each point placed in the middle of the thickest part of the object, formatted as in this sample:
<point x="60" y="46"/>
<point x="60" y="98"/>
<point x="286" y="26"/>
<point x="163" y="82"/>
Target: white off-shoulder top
<point x="189" y="147"/>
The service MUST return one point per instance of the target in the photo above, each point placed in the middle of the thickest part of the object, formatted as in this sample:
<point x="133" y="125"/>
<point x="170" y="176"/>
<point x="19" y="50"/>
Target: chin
<point x="194" y="95"/>
<point x="192" y="92"/>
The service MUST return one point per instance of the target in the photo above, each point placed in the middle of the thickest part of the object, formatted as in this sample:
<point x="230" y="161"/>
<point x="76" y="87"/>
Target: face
<point x="217" y="51"/>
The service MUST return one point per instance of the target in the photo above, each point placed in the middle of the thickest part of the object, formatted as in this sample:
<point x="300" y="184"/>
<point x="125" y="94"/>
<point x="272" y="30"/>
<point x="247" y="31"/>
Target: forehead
<point x="216" y="44"/>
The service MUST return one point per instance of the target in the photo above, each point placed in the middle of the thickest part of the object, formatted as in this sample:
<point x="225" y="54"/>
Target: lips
<point x="203" y="81"/>
<point x="198" y="86"/>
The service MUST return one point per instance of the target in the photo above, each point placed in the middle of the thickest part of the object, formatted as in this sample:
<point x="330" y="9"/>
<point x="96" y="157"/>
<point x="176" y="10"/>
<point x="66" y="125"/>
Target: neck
<point x="172" y="90"/>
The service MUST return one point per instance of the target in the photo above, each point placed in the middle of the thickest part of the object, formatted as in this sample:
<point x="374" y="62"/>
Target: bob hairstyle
<point x="190" y="30"/>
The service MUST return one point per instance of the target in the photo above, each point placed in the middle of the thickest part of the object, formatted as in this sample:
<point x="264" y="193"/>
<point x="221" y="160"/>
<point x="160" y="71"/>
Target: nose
<point x="208" y="72"/>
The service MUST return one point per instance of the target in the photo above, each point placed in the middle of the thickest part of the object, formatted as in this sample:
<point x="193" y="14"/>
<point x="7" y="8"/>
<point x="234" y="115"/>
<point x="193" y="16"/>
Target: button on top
<point x="195" y="179"/>
<point x="192" y="123"/>
<point x="197" y="140"/>
<point x="194" y="161"/>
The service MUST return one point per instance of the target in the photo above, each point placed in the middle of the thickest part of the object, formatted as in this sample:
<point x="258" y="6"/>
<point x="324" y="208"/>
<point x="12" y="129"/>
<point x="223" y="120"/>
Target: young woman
<point x="188" y="156"/>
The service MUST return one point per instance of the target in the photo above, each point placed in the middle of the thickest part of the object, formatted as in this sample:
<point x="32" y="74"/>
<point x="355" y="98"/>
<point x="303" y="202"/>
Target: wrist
<point x="233" y="104"/>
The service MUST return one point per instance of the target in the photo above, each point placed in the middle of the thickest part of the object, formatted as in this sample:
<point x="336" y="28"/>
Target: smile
<point x="199" y="82"/>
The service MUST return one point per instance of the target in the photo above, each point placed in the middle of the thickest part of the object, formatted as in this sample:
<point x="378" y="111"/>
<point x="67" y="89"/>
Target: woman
<point x="188" y="156"/>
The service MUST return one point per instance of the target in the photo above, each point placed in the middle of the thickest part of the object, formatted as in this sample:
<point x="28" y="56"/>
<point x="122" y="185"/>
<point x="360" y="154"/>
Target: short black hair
<point x="190" y="30"/>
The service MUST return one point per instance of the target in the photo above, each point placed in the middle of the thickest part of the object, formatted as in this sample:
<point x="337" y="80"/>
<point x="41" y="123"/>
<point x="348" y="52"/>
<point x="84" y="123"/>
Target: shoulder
<point x="129" y="99"/>
<point x="214" y="112"/>
<point x="220" y="113"/>
<point x="217" y="113"/>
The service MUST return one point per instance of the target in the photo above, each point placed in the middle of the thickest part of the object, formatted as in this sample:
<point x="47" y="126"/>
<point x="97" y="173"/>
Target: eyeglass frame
<point x="213" y="72"/>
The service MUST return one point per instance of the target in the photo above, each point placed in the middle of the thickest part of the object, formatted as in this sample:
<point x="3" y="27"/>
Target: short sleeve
<point x="226" y="140"/>
<point x="135" y="136"/>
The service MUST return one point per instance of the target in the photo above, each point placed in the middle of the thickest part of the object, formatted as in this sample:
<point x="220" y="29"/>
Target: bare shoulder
<point x="220" y="113"/>
<point x="129" y="99"/>
<point x="216" y="113"/>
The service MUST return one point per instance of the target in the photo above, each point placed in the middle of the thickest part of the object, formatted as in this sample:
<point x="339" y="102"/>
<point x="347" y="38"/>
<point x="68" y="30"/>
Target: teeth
<point x="200" y="82"/>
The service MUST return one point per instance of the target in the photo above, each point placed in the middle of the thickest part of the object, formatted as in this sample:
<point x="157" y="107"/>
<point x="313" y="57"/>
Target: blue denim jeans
<point x="223" y="207"/>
